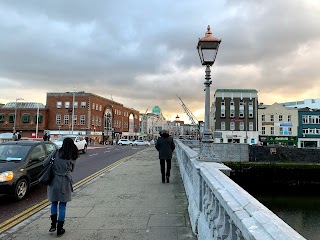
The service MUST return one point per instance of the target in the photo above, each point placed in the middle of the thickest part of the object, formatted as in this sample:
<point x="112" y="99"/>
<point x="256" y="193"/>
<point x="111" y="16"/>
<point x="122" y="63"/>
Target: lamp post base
<point x="206" y="149"/>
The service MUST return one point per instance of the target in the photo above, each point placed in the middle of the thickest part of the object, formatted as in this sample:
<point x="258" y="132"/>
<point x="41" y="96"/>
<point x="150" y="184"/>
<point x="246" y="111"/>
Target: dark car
<point x="20" y="164"/>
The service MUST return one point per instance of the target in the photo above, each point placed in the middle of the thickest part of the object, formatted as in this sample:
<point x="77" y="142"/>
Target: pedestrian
<point x="14" y="137"/>
<point x="18" y="136"/>
<point x="60" y="189"/>
<point x="165" y="146"/>
<point x="45" y="137"/>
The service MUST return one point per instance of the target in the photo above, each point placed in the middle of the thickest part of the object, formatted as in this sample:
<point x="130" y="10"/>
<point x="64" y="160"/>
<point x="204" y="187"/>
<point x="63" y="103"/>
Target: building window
<point x="83" y="104"/>
<point x="93" y="106"/>
<point x="97" y="107"/>
<point x="66" y="104"/>
<point x="25" y="118"/>
<point x="232" y="109"/>
<point x="241" y="126"/>
<point x="290" y="130"/>
<point x="223" y="110"/>
<point x="250" y="110"/>
<point x="250" y="126"/>
<point x="100" y="108"/>
<point x="232" y="126"/>
<point x="92" y="121"/>
<point x="263" y="118"/>
<point x="1" y="117"/>
<point x="280" y="118"/>
<point x="241" y="110"/>
<point x="75" y="104"/>
<point x="263" y="132"/>
<point x="82" y="119"/>
<point x="11" y="118"/>
<point x="97" y="121"/>
<point x="223" y="126"/>
<point x="59" y="104"/>
<point x="281" y="130"/>
<point x="58" y="119"/>
<point x="289" y="118"/>
<point x="40" y="118"/>
<point x="272" y="130"/>
<point x="271" y="118"/>
<point x="66" y="119"/>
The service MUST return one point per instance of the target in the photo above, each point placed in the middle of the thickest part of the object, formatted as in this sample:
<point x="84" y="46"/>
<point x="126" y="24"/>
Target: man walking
<point x="165" y="147"/>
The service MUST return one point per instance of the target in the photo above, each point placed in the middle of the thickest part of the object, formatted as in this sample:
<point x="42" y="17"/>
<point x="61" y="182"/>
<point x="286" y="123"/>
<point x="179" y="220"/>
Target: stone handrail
<point x="220" y="209"/>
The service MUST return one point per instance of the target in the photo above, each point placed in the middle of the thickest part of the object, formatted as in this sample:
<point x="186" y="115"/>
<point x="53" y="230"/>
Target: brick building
<point x="94" y="116"/>
<point x="26" y="121"/>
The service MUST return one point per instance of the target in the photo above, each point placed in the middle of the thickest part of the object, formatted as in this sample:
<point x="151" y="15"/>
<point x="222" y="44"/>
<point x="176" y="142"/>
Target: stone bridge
<point x="219" y="208"/>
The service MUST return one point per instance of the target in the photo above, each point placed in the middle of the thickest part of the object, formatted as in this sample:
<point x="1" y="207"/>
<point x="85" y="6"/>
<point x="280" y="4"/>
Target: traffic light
<point x="94" y="128"/>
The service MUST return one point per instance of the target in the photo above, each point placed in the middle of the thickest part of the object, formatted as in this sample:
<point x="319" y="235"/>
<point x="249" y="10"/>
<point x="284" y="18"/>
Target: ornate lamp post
<point x="207" y="48"/>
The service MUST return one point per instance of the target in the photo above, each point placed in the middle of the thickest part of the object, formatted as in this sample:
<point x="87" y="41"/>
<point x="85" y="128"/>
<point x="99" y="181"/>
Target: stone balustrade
<point x="221" y="209"/>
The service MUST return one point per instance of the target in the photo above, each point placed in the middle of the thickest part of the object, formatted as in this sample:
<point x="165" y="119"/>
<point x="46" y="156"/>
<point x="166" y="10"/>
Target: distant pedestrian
<point x="18" y="135"/>
<point x="60" y="189"/>
<point x="165" y="146"/>
<point x="14" y="137"/>
<point x="45" y="137"/>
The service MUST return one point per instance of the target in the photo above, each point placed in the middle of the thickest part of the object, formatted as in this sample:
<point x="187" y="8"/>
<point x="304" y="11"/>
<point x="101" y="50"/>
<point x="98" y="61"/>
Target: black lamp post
<point x="207" y="48"/>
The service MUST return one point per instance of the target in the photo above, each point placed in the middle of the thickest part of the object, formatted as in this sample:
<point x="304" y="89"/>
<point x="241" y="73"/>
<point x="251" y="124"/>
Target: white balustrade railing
<point x="220" y="209"/>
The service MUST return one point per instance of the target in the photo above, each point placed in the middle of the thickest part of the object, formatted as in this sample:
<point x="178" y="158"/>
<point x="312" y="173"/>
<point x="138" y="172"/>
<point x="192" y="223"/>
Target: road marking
<point x="4" y="226"/>
<point x="94" y="154"/>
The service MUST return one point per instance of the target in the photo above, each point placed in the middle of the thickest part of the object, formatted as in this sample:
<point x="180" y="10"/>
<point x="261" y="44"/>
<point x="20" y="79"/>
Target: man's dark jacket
<point x="165" y="146"/>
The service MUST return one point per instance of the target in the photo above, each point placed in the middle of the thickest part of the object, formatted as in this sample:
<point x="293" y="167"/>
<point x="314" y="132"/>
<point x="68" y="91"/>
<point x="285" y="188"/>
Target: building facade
<point x="309" y="128"/>
<point x="278" y="125"/>
<point x="72" y="113"/>
<point x="152" y="123"/>
<point x="22" y="117"/>
<point x="235" y="116"/>
<point x="94" y="116"/>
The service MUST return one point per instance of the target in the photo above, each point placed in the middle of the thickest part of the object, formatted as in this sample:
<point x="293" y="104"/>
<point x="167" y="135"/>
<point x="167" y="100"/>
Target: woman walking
<point x="60" y="189"/>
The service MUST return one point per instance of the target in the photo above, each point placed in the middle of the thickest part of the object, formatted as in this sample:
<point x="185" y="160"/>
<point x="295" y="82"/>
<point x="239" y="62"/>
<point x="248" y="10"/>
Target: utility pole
<point x="74" y="89"/>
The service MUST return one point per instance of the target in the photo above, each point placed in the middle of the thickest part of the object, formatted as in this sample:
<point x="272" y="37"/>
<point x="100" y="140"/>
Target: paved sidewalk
<point x="128" y="202"/>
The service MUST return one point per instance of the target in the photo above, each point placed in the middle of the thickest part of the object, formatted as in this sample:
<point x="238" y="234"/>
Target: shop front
<point x="283" y="140"/>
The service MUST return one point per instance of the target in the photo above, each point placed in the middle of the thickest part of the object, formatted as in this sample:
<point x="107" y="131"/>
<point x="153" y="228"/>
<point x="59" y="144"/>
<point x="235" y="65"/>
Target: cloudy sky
<point x="143" y="53"/>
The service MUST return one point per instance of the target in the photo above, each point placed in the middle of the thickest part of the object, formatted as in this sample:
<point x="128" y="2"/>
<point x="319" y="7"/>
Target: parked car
<point x="78" y="140"/>
<point x="141" y="143"/>
<point x="125" y="142"/>
<point x="20" y="164"/>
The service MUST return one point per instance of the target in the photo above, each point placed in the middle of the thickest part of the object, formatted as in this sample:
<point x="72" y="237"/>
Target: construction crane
<point x="192" y="118"/>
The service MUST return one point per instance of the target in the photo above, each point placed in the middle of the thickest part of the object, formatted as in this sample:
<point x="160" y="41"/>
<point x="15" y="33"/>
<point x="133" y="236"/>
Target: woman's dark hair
<point x="68" y="150"/>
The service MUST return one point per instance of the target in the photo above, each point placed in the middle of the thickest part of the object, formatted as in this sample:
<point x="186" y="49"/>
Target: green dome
<point x="156" y="110"/>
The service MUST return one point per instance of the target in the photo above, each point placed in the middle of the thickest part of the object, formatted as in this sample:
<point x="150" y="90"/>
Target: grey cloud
<point x="144" y="52"/>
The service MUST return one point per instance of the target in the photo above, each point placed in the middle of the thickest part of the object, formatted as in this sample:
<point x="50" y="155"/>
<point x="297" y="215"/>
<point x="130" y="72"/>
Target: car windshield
<point x="13" y="152"/>
<point x="63" y="137"/>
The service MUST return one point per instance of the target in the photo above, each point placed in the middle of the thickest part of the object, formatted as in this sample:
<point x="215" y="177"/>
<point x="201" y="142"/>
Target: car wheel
<point x="120" y="144"/>
<point x="21" y="189"/>
<point x="84" y="150"/>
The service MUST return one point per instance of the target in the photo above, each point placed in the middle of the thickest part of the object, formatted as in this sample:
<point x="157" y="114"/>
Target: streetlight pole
<point x="207" y="48"/>
<point x="15" y="114"/>
<point x="73" y="110"/>
<point x="37" y="122"/>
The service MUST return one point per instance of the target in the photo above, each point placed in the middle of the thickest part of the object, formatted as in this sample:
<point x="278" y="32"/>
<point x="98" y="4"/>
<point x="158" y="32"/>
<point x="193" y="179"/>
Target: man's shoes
<point x="168" y="180"/>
